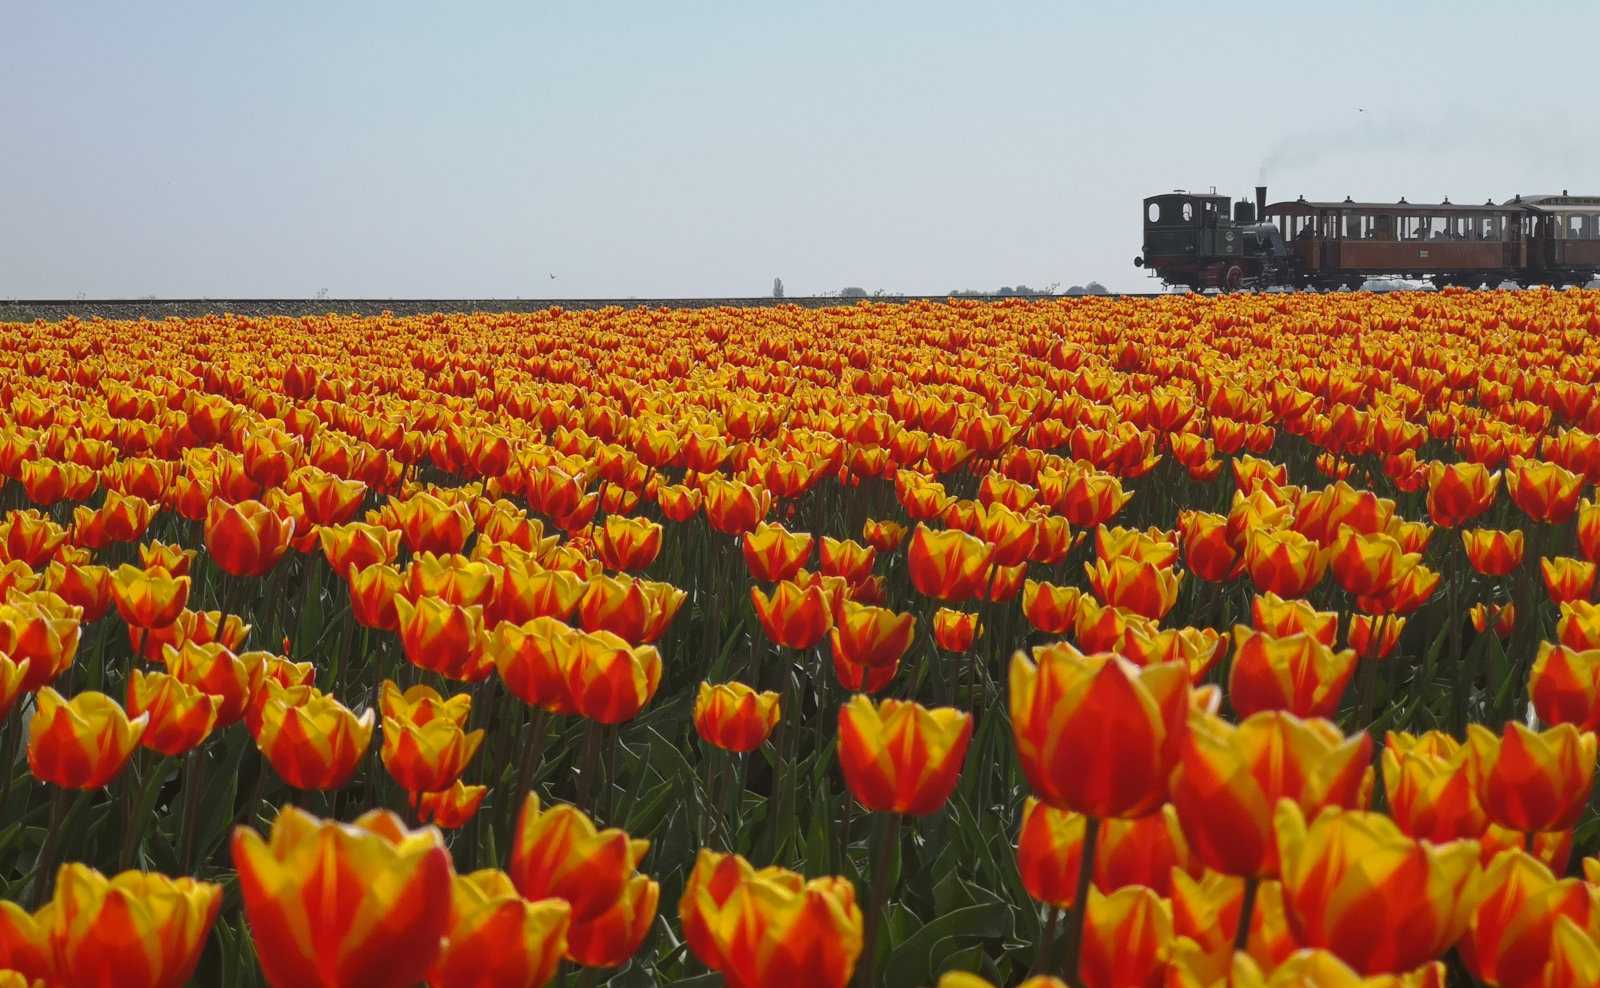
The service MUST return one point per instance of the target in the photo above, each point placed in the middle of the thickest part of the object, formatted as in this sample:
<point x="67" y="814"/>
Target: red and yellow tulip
<point x="899" y="756"/>
<point x="336" y="904"/>
<point x="734" y="717"/>
<point x="1063" y="701"/>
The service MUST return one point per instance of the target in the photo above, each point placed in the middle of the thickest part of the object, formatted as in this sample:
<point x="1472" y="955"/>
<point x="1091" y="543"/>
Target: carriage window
<point x="1491" y="228"/>
<point x="1383" y="227"/>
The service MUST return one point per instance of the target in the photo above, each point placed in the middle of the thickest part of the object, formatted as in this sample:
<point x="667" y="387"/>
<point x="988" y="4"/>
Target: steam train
<point x="1195" y="241"/>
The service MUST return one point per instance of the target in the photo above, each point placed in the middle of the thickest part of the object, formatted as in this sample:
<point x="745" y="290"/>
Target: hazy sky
<point x="406" y="149"/>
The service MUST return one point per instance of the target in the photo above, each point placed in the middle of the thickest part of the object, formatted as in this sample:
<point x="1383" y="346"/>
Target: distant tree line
<point x="1004" y="291"/>
<point x="1023" y="291"/>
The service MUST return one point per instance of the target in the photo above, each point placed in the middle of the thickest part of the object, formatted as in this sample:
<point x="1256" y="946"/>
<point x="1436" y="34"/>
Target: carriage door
<point x="1544" y="240"/>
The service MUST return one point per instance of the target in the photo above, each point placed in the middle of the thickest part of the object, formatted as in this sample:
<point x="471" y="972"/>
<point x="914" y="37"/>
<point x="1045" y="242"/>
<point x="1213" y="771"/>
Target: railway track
<point x="28" y="310"/>
<point x="54" y="310"/>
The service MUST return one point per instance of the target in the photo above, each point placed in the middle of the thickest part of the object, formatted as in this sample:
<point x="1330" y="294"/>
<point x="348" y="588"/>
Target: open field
<point x="1085" y="638"/>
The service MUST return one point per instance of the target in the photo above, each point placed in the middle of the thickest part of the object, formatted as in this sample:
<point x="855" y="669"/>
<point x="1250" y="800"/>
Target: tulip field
<point x="1177" y="642"/>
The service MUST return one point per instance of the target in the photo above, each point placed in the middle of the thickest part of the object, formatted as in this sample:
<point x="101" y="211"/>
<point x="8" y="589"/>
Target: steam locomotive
<point x="1195" y="240"/>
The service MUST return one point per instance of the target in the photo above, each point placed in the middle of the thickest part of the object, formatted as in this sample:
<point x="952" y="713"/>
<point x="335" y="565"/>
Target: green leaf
<point x="912" y="961"/>
<point x="647" y="812"/>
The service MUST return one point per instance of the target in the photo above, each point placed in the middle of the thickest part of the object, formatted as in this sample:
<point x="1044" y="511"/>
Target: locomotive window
<point x="1152" y="213"/>
<point x="1188" y="212"/>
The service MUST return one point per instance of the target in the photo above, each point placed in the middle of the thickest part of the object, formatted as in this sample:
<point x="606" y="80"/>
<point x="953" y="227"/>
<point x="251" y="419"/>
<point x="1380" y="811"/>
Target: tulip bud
<point x="137" y="929"/>
<point x="377" y="895"/>
<point x="1063" y="701"/>
<point x="1533" y="780"/>
<point x="496" y="937"/>
<point x="557" y="853"/>
<point x="901" y="757"/>
<point x="180" y="716"/>
<point x="81" y="743"/>
<point x="452" y="808"/>
<point x="311" y="739"/>
<point x="734" y="717"/>
<point x="1346" y="864"/>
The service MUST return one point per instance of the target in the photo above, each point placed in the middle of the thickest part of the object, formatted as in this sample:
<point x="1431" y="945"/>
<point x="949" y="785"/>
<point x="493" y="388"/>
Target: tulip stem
<point x="1247" y="908"/>
<point x="43" y="881"/>
<point x="1368" y="671"/>
<point x="612" y="740"/>
<point x="141" y="799"/>
<point x="1080" y="900"/>
<point x="8" y="760"/>
<point x="883" y="859"/>
<point x="342" y="660"/>
<point x="222" y="609"/>
<point x="1458" y="702"/>
<point x="245" y="812"/>
<point x="97" y="670"/>
<point x="532" y="755"/>
<point x="708" y="819"/>
<point x="734" y="786"/>
<point x="590" y="768"/>
<point x="194" y="779"/>
<point x="1041" y="953"/>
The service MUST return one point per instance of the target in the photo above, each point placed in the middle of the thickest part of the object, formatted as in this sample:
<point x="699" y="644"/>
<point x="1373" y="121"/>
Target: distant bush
<point x="1011" y="291"/>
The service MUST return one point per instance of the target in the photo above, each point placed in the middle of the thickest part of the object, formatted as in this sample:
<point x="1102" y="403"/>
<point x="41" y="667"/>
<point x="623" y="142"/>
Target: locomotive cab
<point x="1194" y="240"/>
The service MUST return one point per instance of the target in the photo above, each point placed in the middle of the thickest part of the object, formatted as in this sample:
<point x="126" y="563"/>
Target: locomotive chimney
<point x="1261" y="204"/>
